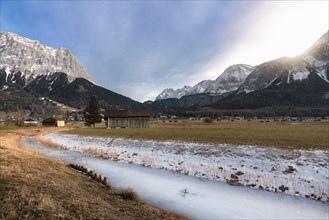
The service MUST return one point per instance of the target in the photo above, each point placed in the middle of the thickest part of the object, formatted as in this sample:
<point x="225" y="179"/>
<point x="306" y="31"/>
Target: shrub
<point x="208" y="120"/>
<point x="129" y="194"/>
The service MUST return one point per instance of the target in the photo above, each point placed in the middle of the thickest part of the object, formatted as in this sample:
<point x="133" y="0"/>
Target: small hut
<point x="128" y="118"/>
<point x="53" y="122"/>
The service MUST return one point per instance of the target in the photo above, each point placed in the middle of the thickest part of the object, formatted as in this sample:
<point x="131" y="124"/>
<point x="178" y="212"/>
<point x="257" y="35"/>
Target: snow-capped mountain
<point x="228" y="81"/>
<point x="289" y="70"/>
<point x="286" y="86"/>
<point x="171" y="93"/>
<point x="32" y="58"/>
<point x="30" y="70"/>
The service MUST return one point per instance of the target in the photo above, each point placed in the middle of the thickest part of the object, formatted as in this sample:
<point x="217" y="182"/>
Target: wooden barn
<point x="53" y="122"/>
<point x="128" y="118"/>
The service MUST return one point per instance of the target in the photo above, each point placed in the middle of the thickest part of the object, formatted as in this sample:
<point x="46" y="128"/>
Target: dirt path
<point x="37" y="187"/>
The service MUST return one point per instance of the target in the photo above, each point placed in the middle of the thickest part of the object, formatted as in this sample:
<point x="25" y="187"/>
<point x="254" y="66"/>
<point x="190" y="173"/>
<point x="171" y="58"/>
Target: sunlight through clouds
<point x="148" y="46"/>
<point x="273" y="30"/>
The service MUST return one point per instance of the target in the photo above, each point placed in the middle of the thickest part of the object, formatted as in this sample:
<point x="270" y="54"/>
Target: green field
<point x="278" y="134"/>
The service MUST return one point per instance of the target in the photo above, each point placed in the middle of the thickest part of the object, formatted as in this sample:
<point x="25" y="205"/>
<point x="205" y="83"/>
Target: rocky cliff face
<point x="32" y="58"/>
<point x="31" y="71"/>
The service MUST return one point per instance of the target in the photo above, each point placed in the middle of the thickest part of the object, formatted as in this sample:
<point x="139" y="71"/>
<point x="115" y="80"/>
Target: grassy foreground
<point x="37" y="187"/>
<point x="306" y="134"/>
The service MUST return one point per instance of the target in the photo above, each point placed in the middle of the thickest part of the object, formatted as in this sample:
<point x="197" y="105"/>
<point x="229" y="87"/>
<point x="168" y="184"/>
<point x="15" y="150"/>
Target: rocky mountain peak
<point x="236" y="72"/>
<point x="172" y="93"/>
<point x="33" y="58"/>
<point x="289" y="70"/>
<point x="228" y="81"/>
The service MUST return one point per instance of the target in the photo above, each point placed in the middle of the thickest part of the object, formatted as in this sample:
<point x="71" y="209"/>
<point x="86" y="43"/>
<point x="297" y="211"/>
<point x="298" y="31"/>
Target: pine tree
<point x="92" y="112"/>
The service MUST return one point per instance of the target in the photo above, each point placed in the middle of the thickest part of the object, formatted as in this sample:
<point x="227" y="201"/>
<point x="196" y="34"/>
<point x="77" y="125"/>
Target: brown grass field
<point x="37" y="187"/>
<point x="305" y="134"/>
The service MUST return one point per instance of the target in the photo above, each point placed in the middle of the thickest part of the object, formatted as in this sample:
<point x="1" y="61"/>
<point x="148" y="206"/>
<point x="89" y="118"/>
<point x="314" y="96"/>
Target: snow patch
<point x="7" y="70"/>
<point x="300" y="75"/>
<point x="323" y="75"/>
<point x="288" y="79"/>
<point x="247" y="90"/>
<point x="4" y="88"/>
<point x="271" y="82"/>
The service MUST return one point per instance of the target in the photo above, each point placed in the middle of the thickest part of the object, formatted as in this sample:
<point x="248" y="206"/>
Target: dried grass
<point x="102" y="153"/>
<point x="36" y="187"/>
<point x="279" y="134"/>
<point x="129" y="194"/>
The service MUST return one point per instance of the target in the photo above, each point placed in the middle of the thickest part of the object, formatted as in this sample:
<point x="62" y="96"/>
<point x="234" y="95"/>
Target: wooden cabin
<point x="53" y="122"/>
<point x="128" y="118"/>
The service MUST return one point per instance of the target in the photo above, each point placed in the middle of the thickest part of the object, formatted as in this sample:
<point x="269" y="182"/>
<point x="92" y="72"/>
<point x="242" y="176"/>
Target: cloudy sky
<point x="139" y="48"/>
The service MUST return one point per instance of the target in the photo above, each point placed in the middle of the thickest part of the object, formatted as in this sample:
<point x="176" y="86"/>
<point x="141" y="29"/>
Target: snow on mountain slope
<point x="228" y="81"/>
<point x="318" y="56"/>
<point x="32" y="58"/>
<point x="171" y="93"/>
<point x="231" y="79"/>
<point x="287" y="70"/>
<point x="201" y="87"/>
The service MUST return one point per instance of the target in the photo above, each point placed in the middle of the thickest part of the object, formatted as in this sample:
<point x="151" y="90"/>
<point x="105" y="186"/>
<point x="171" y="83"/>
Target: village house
<point x="127" y="118"/>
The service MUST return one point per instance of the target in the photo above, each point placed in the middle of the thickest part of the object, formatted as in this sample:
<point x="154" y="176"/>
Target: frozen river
<point x="190" y="196"/>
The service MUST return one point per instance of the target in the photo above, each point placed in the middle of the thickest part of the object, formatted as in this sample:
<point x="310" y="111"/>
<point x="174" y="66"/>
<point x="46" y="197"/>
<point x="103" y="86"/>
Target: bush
<point x="129" y="194"/>
<point x="208" y="120"/>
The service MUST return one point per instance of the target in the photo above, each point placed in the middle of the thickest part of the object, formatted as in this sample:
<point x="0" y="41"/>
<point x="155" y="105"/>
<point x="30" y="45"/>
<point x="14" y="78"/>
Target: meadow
<point x="305" y="134"/>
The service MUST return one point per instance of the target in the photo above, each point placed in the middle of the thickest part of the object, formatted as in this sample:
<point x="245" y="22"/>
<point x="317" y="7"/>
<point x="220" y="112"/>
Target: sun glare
<point x="274" y="30"/>
<point x="292" y="27"/>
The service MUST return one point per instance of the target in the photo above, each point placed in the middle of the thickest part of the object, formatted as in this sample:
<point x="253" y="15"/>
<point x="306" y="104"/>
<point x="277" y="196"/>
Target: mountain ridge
<point x="33" y="58"/>
<point x="298" y="68"/>
<point x="299" y="83"/>
<point x="228" y="81"/>
<point x="31" y="71"/>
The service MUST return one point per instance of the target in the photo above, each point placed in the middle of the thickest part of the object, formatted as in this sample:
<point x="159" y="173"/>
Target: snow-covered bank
<point x="295" y="172"/>
<point x="195" y="198"/>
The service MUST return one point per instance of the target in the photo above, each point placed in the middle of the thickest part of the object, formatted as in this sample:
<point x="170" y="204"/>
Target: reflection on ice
<point x="190" y="196"/>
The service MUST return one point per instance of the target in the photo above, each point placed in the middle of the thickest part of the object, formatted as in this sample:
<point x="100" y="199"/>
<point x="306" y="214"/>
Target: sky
<point x="139" y="48"/>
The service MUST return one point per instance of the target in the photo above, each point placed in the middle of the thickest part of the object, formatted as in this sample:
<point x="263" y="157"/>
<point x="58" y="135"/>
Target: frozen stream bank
<point x="204" y="199"/>
<point x="295" y="172"/>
